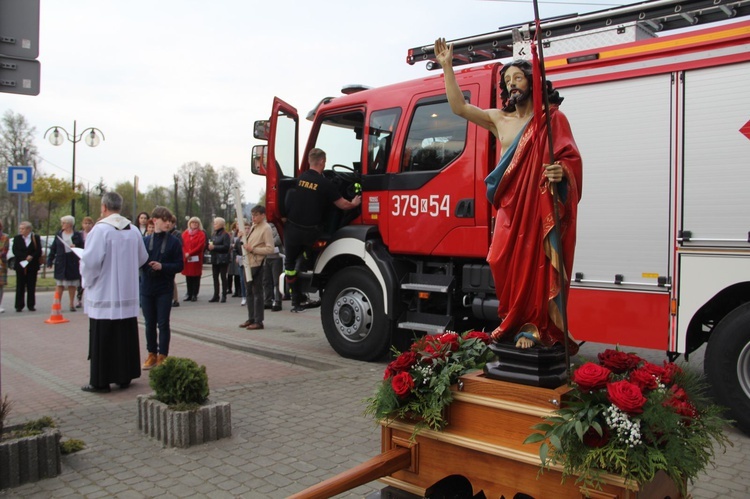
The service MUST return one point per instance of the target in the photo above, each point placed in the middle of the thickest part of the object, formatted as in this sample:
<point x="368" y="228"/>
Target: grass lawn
<point x="41" y="282"/>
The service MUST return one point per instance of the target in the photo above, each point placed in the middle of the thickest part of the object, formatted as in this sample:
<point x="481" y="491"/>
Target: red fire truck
<point x="663" y="252"/>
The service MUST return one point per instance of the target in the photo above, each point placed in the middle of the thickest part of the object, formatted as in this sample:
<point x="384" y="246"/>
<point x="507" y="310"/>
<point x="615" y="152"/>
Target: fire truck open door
<point x="278" y="160"/>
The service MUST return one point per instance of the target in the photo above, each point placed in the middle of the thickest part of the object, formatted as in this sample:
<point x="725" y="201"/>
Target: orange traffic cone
<point x="56" y="316"/>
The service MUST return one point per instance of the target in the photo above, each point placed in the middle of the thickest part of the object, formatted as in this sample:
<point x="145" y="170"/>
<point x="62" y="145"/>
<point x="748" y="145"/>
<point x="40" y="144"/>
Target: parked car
<point x="46" y="244"/>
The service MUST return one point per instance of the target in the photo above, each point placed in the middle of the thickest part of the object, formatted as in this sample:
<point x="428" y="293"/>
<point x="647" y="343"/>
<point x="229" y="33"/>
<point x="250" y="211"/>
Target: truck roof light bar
<point x="657" y="15"/>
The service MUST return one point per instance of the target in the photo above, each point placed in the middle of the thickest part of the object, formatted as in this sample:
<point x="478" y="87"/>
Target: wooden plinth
<point x="487" y="424"/>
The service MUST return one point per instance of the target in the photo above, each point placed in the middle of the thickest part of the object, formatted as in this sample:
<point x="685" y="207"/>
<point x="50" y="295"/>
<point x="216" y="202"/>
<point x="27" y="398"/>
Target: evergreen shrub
<point x="179" y="381"/>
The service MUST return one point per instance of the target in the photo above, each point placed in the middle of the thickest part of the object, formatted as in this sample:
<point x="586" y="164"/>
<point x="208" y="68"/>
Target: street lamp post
<point x="90" y="136"/>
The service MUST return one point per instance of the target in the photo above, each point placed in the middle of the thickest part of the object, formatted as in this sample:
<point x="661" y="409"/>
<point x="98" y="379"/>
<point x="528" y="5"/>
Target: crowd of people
<point x="116" y="269"/>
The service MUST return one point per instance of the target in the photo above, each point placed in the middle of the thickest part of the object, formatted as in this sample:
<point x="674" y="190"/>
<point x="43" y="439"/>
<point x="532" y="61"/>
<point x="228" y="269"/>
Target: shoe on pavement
<point x="175" y="303"/>
<point x="186" y="298"/>
<point x="73" y="309"/>
<point x="276" y="307"/>
<point x="150" y="362"/>
<point x="224" y="299"/>
<point x="194" y="298"/>
<point x="31" y="309"/>
<point x="2" y="310"/>
<point x="160" y="359"/>
<point x="244" y="301"/>
<point x="297" y="309"/>
<point x="95" y="389"/>
<point x="246" y="323"/>
<point x="79" y="304"/>
<point x="255" y="326"/>
<point x="214" y="299"/>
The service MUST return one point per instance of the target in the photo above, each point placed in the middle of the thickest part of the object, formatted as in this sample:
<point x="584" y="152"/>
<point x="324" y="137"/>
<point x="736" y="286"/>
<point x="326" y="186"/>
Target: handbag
<point x="222" y="258"/>
<point x="42" y="257"/>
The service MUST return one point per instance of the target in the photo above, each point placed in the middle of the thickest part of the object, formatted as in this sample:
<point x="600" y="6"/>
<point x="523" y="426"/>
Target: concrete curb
<point x="184" y="428"/>
<point x="29" y="459"/>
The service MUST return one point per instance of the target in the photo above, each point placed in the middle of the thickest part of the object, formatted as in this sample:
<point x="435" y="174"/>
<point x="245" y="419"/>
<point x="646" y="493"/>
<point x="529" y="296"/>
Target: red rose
<point x="618" y="361"/>
<point x="680" y="403"/>
<point x="450" y="339"/>
<point x="644" y="379"/>
<point x="626" y="396"/>
<point x="479" y="335"/>
<point x="653" y="369"/>
<point x="592" y="438"/>
<point x="670" y="371"/>
<point x="591" y="376"/>
<point x="402" y="383"/>
<point x="403" y="362"/>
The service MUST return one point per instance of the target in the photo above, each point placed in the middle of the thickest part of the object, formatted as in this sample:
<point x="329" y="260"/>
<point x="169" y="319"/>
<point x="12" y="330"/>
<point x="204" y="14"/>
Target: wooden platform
<point x="487" y="424"/>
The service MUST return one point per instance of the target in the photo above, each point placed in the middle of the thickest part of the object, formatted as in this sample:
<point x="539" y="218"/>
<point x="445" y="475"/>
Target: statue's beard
<point x="515" y="99"/>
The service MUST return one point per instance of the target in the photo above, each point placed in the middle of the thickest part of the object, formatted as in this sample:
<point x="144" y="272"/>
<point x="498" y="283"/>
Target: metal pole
<point x="555" y="193"/>
<point x="73" y="201"/>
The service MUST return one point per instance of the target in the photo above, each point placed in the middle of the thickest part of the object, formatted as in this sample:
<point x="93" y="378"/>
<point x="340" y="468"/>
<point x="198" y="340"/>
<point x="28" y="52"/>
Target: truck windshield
<point x="340" y="136"/>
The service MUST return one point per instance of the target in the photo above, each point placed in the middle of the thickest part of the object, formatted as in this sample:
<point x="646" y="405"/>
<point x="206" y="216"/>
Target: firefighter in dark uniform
<point x="307" y="205"/>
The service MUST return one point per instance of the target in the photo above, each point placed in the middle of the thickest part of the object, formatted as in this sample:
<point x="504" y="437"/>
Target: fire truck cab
<point x="663" y="249"/>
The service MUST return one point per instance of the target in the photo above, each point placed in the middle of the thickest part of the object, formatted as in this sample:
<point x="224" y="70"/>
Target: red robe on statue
<point x="523" y="253"/>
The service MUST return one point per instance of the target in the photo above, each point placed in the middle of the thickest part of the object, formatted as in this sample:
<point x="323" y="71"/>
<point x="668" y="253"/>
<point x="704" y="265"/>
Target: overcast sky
<point x="173" y="81"/>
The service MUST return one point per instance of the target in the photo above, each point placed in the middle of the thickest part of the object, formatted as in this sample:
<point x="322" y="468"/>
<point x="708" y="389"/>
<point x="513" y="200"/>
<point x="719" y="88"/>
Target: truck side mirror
<point x="260" y="157"/>
<point x="261" y="129"/>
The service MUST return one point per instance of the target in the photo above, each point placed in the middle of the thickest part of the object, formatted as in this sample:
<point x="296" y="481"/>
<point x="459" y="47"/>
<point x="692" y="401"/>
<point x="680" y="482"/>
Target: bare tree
<point x="229" y="178"/>
<point x="16" y="142"/>
<point x="188" y="176"/>
<point x="16" y="149"/>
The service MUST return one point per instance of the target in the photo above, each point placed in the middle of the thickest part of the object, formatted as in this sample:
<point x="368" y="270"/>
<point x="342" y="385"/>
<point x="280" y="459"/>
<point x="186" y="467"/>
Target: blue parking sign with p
<point x="19" y="180"/>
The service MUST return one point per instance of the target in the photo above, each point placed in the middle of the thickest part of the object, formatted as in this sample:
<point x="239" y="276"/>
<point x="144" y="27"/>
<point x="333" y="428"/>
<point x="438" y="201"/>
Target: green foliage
<point x="37" y="426"/>
<point x="675" y="432"/>
<point x="424" y="374"/>
<point x="71" y="445"/>
<point x="30" y="428"/>
<point x="5" y="408"/>
<point x="179" y="380"/>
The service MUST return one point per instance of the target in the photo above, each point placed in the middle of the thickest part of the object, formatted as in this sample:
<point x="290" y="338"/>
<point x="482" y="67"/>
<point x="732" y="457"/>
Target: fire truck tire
<point x="353" y="315"/>
<point x="727" y="365"/>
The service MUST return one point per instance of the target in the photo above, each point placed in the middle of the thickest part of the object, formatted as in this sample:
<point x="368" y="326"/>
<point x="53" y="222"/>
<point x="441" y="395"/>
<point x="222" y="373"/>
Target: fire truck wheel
<point x="353" y="315"/>
<point x="727" y="365"/>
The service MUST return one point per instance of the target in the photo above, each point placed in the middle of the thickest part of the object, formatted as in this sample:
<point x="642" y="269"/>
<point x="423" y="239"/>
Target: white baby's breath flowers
<point x="628" y="431"/>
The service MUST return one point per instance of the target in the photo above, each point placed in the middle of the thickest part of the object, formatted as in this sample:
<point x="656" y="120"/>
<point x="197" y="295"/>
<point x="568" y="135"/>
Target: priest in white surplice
<point x="113" y="254"/>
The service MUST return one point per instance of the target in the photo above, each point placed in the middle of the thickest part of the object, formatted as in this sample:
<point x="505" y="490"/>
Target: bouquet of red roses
<point x="632" y="418"/>
<point x="416" y="384"/>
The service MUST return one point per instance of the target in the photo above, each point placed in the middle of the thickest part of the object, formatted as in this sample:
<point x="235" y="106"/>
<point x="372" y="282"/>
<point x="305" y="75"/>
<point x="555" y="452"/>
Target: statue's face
<point x="517" y="84"/>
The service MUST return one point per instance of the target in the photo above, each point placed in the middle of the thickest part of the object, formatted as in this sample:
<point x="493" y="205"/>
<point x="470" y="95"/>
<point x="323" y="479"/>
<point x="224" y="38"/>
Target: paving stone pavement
<point x="297" y="409"/>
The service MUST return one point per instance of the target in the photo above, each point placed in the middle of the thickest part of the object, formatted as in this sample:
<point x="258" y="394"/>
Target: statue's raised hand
<point x="443" y="53"/>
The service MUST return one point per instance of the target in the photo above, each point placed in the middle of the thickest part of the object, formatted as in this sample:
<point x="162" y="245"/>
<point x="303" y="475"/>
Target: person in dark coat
<point x="157" y="285"/>
<point x="27" y="250"/>
<point x="219" y="245"/>
<point x="66" y="262"/>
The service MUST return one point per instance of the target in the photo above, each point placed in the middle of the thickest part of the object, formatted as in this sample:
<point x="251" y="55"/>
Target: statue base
<point x="536" y="366"/>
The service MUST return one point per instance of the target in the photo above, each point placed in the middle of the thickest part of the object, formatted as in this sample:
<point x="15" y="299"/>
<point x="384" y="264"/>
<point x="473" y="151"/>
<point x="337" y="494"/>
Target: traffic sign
<point x="19" y="180"/>
<point x="19" y="28"/>
<point x="19" y="47"/>
<point x="19" y="76"/>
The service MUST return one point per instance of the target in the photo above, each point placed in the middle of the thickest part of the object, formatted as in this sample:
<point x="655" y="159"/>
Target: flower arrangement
<point x="632" y="418"/>
<point x="416" y="384"/>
